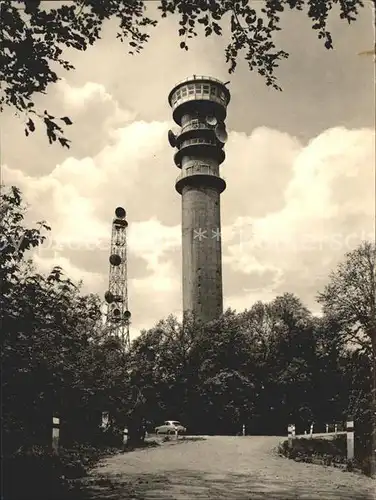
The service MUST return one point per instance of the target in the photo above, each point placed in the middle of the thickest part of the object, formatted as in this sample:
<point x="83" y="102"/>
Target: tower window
<point x="206" y="89"/>
<point x="184" y="92"/>
<point x="213" y="91"/>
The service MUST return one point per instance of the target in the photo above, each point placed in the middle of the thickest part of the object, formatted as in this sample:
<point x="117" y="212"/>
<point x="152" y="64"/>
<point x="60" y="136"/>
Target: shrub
<point x="328" y="451"/>
<point x="46" y="475"/>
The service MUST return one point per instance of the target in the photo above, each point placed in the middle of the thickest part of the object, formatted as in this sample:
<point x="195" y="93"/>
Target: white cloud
<point x="318" y="223"/>
<point x="91" y="281"/>
<point x="152" y="239"/>
<point x="163" y="282"/>
<point x="80" y="98"/>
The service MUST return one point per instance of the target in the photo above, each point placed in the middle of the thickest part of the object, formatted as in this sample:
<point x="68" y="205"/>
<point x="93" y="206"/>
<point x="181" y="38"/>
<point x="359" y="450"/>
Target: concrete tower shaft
<point x="199" y="107"/>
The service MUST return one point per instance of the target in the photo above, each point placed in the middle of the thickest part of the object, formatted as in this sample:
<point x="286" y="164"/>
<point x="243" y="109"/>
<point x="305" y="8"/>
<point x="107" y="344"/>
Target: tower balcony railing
<point x="194" y="125"/>
<point x="205" y="146"/>
<point x="198" y="140"/>
<point x="199" y="97"/>
<point x="200" y="87"/>
<point x="200" y="176"/>
<point x="199" y="77"/>
<point x="184" y="175"/>
<point x="200" y="169"/>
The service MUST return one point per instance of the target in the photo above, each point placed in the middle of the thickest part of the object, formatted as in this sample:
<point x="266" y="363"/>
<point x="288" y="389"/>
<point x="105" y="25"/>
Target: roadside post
<point x="55" y="434"/>
<point x="291" y="434"/>
<point x="350" y="438"/>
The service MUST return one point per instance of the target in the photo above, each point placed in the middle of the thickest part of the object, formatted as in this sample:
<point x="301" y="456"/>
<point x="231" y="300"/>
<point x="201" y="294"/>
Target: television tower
<point x="199" y="107"/>
<point x="118" y="315"/>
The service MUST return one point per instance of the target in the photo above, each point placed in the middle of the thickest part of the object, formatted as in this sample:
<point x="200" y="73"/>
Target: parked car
<point x="170" y="427"/>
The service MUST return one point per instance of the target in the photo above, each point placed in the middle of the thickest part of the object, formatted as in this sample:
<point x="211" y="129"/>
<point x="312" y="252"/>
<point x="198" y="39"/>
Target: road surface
<point x="233" y="468"/>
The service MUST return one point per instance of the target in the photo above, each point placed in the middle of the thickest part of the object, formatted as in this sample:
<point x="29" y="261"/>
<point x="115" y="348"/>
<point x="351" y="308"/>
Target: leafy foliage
<point x="55" y="360"/>
<point x="350" y="296"/>
<point x="34" y="37"/>
<point x="304" y="450"/>
<point x="266" y="367"/>
<point x="46" y="475"/>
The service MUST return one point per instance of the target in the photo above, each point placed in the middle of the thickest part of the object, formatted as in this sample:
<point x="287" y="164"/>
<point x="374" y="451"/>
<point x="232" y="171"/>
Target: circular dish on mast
<point x="115" y="260"/>
<point x="211" y="120"/>
<point x="120" y="213"/>
<point x="116" y="312"/>
<point x="127" y="314"/>
<point x="109" y="298"/>
<point x="172" y="138"/>
<point x="220" y="133"/>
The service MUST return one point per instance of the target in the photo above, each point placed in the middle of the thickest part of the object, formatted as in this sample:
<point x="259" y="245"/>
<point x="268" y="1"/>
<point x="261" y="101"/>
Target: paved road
<point x="233" y="468"/>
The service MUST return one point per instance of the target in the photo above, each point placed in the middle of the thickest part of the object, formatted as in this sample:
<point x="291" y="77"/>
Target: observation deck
<point x="199" y="107"/>
<point x="210" y="95"/>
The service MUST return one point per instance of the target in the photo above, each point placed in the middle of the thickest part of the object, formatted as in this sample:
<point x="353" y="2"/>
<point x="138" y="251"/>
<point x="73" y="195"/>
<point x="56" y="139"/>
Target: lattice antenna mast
<point x="118" y="315"/>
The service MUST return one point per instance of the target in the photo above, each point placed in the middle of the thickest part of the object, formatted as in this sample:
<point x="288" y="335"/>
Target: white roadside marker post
<point x="105" y="419"/>
<point x="291" y="434"/>
<point x="350" y="439"/>
<point x="125" y="436"/>
<point x="55" y="434"/>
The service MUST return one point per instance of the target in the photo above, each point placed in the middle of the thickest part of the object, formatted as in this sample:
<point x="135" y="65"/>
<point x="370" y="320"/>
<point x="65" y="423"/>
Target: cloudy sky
<point x="300" y="165"/>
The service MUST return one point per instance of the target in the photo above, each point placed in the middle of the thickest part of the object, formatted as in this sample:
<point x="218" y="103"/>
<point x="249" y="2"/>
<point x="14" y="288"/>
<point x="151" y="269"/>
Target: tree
<point x="350" y="298"/>
<point x="283" y="361"/>
<point x="159" y="364"/>
<point x="15" y="239"/>
<point x="225" y="382"/>
<point x="331" y="372"/>
<point x="34" y="36"/>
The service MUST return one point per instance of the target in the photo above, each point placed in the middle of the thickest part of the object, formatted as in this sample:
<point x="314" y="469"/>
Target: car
<point x="170" y="427"/>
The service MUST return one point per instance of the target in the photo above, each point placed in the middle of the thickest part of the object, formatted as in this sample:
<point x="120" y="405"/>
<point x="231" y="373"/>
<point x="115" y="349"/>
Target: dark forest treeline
<point x="268" y="366"/>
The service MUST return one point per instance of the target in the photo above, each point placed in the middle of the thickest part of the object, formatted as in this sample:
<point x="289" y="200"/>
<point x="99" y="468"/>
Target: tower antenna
<point x="118" y="315"/>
